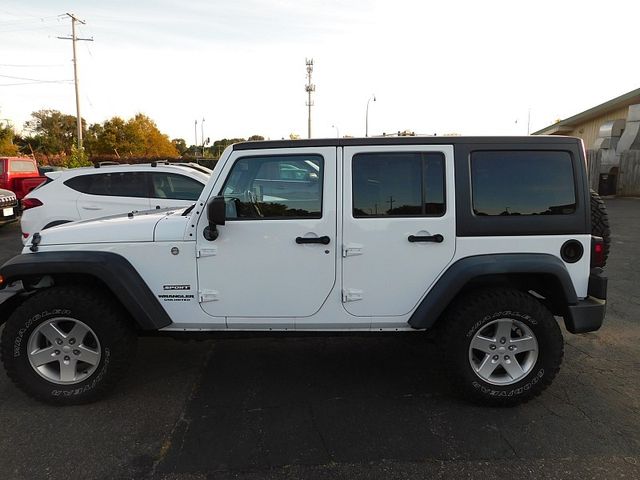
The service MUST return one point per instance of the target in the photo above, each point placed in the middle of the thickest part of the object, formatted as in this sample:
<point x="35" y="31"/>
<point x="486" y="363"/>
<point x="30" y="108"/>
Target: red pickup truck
<point x="20" y="175"/>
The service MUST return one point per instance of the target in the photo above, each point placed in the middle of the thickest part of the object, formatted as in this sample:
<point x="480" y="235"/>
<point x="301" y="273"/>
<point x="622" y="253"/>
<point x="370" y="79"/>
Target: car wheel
<point x="67" y="345"/>
<point x="600" y="222"/>
<point x="503" y="346"/>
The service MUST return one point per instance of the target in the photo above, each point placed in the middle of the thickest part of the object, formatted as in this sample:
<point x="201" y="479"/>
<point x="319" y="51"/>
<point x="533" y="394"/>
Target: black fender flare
<point x="111" y="269"/>
<point x="459" y="274"/>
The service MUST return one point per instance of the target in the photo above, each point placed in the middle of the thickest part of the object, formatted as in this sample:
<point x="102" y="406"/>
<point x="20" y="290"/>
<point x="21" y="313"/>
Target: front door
<point x="173" y="190"/>
<point x="398" y="225"/>
<point x="274" y="259"/>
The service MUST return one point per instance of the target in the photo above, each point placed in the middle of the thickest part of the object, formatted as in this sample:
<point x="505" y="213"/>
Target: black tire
<point x="478" y="312"/>
<point x="600" y="222"/>
<point x="109" y="334"/>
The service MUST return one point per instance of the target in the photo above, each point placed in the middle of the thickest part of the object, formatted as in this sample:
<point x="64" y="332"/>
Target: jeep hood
<point x="126" y="228"/>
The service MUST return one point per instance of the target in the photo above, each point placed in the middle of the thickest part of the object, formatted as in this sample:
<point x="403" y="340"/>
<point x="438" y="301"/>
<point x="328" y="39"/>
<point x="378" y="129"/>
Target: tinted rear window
<point x="117" y="184"/>
<point x="23" y="166"/>
<point x="522" y="183"/>
<point x="398" y="184"/>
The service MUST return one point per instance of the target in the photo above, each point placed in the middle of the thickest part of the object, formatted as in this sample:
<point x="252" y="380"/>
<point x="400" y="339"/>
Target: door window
<point x="116" y="184"/>
<point x="275" y="187"/>
<point x="398" y="184"/>
<point x="175" y="187"/>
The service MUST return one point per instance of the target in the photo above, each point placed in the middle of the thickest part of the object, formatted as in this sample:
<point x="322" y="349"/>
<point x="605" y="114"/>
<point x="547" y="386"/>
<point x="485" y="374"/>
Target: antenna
<point x="309" y="88"/>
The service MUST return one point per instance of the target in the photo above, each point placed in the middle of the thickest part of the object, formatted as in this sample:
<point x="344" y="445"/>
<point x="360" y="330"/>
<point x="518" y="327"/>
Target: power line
<point x="37" y="82"/>
<point x="27" y="26"/>
<point x="26" y="22"/>
<point x="13" y="11"/>
<point x="88" y="50"/>
<point x="40" y="28"/>
<point x="20" y="65"/>
<point x="29" y="79"/>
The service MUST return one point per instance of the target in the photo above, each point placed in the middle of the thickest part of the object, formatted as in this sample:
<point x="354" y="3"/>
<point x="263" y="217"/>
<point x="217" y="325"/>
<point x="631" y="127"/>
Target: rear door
<point x="398" y="225"/>
<point x="111" y="193"/>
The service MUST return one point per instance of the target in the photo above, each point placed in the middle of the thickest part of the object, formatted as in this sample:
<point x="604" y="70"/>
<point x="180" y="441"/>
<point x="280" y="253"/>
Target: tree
<point x="52" y="132"/>
<point x="7" y="135"/>
<point x="137" y="137"/>
<point x="146" y="140"/>
<point x="180" y="145"/>
<point x="78" y="158"/>
<point x="109" y="138"/>
<point x="255" y="138"/>
<point x="219" y="145"/>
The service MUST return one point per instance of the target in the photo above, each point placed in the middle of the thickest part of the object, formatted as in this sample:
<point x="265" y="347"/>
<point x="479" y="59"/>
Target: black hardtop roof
<point x="551" y="140"/>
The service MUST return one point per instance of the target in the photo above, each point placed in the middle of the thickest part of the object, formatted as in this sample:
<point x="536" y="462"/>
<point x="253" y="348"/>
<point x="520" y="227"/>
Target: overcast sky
<point x="455" y="66"/>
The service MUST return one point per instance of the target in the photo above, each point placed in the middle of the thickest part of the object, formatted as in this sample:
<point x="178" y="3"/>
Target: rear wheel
<point x="502" y="345"/>
<point x="67" y="345"/>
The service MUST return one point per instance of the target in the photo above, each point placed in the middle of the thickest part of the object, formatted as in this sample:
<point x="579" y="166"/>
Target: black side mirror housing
<point x="216" y="215"/>
<point x="217" y="211"/>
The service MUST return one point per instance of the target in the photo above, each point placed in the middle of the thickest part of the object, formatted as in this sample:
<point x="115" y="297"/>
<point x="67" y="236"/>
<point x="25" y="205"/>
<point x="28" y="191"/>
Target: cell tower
<point x="309" y="88"/>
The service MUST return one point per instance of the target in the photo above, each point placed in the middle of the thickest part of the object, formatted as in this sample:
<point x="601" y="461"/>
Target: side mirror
<point x="216" y="211"/>
<point x="216" y="215"/>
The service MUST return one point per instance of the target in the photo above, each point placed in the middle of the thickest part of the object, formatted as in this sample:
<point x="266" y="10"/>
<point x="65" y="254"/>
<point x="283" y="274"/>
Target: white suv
<point x="88" y="193"/>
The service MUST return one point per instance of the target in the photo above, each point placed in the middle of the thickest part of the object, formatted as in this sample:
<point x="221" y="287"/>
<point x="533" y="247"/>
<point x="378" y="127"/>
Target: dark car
<point x="42" y="169"/>
<point x="8" y="206"/>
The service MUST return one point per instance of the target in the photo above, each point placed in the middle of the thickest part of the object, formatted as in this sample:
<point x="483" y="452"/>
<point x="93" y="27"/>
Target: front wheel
<point x="503" y="345"/>
<point x="67" y="345"/>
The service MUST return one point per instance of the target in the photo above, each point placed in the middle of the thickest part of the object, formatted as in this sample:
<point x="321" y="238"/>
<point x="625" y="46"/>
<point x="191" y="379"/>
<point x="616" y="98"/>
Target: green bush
<point x="78" y="158"/>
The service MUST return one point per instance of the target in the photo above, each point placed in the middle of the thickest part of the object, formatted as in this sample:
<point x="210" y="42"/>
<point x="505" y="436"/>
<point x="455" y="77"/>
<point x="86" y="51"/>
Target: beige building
<point x="586" y="125"/>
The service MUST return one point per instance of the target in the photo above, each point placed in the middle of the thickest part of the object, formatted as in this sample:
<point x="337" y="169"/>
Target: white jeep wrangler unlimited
<point x="482" y="241"/>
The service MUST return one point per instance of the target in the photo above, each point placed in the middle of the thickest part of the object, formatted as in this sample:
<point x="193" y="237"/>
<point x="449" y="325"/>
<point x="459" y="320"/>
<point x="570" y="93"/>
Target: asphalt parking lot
<point x="353" y="408"/>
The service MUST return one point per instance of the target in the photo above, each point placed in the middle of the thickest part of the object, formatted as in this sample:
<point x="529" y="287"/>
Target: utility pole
<point x="75" y="39"/>
<point x="391" y="202"/>
<point x="309" y="88"/>
<point x="202" y="136"/>
<point x="195" y="143"/>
